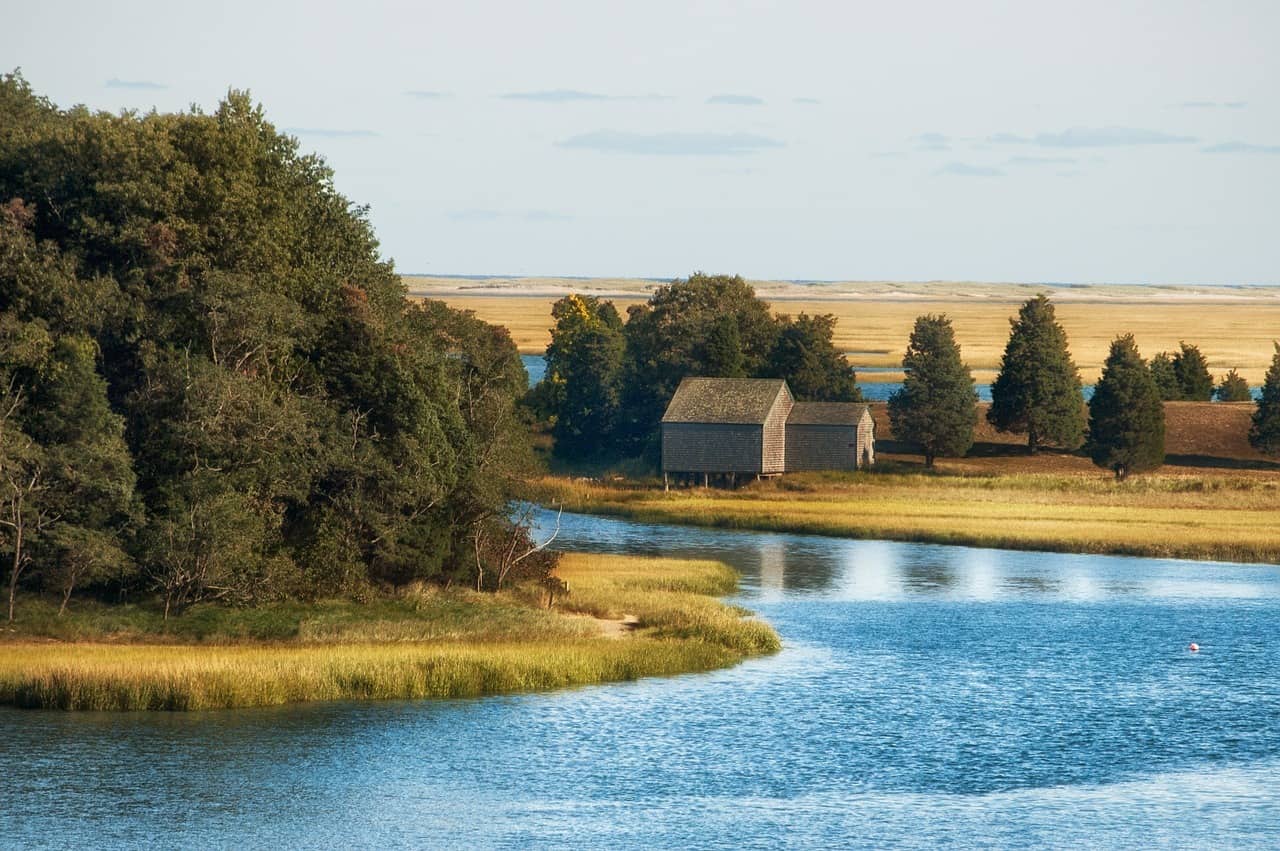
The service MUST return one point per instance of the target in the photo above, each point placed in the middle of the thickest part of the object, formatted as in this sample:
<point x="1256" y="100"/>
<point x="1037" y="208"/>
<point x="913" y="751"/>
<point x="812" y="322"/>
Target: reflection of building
<point x="773" y="568"/>
<point x="753" y="426"/>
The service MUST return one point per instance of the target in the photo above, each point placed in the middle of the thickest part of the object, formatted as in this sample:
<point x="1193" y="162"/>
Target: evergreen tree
<point x="1165" y="378"/>
<point x="1038" y="392"/>
<point x="806" y="356"/>
<point x="1233" y="389"/>
<point x="584" y="366"/>
<point x="1264" y="435"/>
<point x="937" y="407"/>
<point x="1195" y="384"/>
<point x="1126" y="415"/>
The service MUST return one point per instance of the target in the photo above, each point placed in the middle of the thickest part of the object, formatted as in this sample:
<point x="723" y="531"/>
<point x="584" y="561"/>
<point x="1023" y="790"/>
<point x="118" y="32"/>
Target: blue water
<point x="927" y="696"/>
<point x="872" y="391"/>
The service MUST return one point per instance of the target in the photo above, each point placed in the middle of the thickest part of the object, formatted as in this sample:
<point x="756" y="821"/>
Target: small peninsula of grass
<point x="1212" y="517"/>
<point x="623" y="618"/>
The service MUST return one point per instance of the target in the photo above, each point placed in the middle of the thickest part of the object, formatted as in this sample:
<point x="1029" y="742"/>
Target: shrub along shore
<point x="1212" y="518"/>
<point x="623" y="618"/>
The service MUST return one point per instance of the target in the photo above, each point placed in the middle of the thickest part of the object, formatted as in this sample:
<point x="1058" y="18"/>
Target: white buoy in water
<point x="1193" y="647"/>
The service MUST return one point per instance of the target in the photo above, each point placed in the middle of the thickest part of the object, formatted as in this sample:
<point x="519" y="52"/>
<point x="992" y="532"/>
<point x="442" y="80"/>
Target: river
<point x="926" y="696"/>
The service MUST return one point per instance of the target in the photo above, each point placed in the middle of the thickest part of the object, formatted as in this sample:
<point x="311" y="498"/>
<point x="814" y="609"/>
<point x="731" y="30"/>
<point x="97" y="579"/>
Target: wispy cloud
<point x="145" y="85"/>
<point x="807" y="101"/>
<point x="330" y="132"/>
<point x="1039" y="161"/>
<point x="957" y="169"/>
<point x="932" y="142"/>
<point x="1093" y="137"/>
<point x="671" y="144"/>
<point x="575" y="96"/>
<point x="1213" y="104"/>
<point x="735" y="100"/>
<point x="424" y="94"/>
<point x="1241" y="148"/>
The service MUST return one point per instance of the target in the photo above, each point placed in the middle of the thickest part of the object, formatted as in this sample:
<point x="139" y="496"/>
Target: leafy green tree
<point x="1126" y="415"/>
<point x="584" y="366"/>
<point x="937" y="407"/>
<point x="721" y="352"/>
<point x="683" y="330"/>
<point x="1264" y="435"/>
<point x="1038" y="391"/>
<point x="806" y="356"/>
<point x="1233" y="389"/>
<point x="1165" y="378"/>
<point x="1192" y="370"/>
<point x="211" y="374"/>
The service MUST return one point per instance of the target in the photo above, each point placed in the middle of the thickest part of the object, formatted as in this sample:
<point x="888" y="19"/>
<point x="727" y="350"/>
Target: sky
<point x="1121" y="142"/>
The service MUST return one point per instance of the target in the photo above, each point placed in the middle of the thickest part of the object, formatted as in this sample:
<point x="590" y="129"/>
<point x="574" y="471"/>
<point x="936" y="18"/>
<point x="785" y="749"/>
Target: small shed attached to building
<point x="753" y="426"/>
<point x="830" y="436"/>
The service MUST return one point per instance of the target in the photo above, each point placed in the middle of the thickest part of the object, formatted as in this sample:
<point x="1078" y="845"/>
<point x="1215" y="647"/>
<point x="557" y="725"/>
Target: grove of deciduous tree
<point x="212" y="387"/>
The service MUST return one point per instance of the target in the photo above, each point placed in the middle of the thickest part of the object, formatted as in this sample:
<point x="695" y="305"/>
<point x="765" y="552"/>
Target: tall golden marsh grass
<point x="1231" y="334"/>
<point x="1220" y="518"/>
<point x="678" y="629"/>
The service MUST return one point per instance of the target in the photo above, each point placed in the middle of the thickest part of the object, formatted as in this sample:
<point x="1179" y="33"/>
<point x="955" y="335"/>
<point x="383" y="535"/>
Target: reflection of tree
<point x="933" y="572"/>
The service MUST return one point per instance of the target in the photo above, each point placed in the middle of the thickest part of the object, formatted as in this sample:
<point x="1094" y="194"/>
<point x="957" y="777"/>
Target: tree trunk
<point x="1033" y="440"/>
<point x="15" y="569"/>
<point x="1122" y="472"/>
<point x="928" y="460"/>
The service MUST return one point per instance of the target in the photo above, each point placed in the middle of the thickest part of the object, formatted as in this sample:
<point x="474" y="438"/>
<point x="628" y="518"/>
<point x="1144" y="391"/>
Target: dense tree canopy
<point x="1037" y="392"/>
<point x="1126" y="415"/>
<point x="1192" y="370"/>
<point x="806" y="356"/>
<point x="937" y="407"/>
<point x="608" y="383"/>
<point x="1233" y="388"/>
<point x="213" y="386"/>
<point x="1184" y="376"/>
<point x="583" y="384"/>
<point x="1264" y="434"/>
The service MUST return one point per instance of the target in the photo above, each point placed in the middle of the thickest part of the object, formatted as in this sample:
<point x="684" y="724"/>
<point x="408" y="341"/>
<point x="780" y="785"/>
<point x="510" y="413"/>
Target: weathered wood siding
<point x="822" y="447"/>
<point x="712" y="448"/>
<point x="866" y="440"/>
<point x="775" y="434"/>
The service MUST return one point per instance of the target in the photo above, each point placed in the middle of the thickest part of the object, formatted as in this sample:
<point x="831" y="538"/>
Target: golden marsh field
<point x="1234" y="327"/>
<point x="624" y="617"/>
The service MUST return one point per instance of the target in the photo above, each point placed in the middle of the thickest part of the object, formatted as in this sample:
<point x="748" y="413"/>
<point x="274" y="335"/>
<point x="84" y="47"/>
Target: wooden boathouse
<point x="754" y="427"/>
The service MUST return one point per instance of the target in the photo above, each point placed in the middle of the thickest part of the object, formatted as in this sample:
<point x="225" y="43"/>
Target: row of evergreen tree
<point x="1038" y="393"/>
<point x="212" y="387"/>
<point x="608" y="382"/>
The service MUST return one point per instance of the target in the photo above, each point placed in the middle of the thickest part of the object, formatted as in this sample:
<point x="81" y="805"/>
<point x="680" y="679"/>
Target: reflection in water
<point x="839" y="568"/>
<point x="926" y="696"/>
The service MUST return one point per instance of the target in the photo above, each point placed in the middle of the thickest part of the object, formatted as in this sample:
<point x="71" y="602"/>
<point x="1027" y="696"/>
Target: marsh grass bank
<point x="437" y="645"/>
<point x="1215" y="518"/>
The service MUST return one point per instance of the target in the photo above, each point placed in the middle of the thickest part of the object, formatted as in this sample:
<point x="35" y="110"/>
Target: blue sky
<point x="997" y="141"/>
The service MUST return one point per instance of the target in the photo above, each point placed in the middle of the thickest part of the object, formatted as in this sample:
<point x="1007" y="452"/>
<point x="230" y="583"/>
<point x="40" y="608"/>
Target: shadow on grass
<point x="1214" y="462"/>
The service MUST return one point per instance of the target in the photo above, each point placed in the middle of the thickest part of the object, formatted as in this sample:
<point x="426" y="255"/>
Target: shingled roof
<point x="741" y="401"/>
<point x="826" y="413"/>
